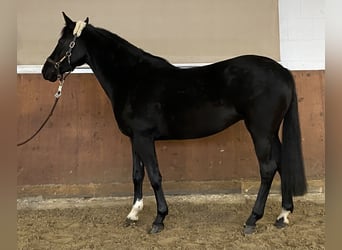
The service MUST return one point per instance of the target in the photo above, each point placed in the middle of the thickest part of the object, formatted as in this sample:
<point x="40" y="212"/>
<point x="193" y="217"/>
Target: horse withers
<point x="154" y="100"/>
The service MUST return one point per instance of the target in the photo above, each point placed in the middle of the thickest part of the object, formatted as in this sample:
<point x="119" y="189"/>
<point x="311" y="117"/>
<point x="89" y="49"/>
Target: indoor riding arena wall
<point x="81" y="152"/>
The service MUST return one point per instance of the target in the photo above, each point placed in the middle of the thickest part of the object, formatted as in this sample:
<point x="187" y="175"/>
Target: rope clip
<point x="59" y="90"/>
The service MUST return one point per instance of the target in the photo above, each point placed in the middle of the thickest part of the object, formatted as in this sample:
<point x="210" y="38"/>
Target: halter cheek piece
<point x="80" y="25"/>
<point x="66" y="56"/>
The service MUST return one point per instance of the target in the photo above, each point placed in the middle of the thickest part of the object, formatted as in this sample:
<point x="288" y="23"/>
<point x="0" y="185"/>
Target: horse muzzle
<point x="50" y="72"/>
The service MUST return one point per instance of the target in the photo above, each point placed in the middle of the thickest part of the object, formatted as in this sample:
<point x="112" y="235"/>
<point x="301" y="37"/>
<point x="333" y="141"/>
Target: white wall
<point x="302" y="34"/>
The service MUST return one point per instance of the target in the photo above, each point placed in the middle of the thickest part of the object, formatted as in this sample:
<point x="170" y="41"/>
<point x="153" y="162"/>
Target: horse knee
<point x="138" y="176"/>
<point x="156" y="180"/>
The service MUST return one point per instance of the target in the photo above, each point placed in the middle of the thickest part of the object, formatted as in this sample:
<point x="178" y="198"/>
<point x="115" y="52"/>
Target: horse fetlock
<point x="253" y="218"/>
<point x="279" y="223"/>
<point x="283" y="216"/>
<point x="163" y="212"/>
<point x="137" y="207"/>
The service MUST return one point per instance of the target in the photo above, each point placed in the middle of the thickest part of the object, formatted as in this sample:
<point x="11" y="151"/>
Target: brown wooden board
<point x="81" y="144"/>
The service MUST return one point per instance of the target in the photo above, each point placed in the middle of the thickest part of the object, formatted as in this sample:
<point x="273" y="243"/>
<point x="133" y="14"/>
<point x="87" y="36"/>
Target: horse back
<point x="176" y="103"/>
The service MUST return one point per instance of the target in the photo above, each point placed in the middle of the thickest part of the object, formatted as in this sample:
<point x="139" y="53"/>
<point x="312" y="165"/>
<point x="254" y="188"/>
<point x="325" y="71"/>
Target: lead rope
<point x="57" y="96"/>
<point x="80" y="25"/>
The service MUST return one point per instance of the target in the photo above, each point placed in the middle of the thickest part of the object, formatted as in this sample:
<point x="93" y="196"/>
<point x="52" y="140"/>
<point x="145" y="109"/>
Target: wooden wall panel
<point x="311" y="93"/>
<point x="82" y="144"/>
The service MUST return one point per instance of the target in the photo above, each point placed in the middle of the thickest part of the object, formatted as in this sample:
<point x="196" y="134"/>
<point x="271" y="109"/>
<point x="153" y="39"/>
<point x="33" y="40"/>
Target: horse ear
<point x="86" y="20"/>
<point x="68" y="21"/>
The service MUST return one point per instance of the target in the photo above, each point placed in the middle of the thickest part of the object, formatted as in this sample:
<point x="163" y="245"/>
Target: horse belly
<point x="199" y="122"/>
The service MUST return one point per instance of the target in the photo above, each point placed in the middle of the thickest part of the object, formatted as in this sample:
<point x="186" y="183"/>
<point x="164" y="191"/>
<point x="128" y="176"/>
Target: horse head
<point x="69" y="52"/>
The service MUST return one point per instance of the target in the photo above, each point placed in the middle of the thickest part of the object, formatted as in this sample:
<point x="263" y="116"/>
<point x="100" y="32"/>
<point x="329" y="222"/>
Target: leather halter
<point x="67" y="56"/>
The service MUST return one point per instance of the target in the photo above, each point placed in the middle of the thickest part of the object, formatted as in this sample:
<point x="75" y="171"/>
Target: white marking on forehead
<point x="284" y="213"/>
<point x="78" y="28"/>
<point x="137" y="207"/>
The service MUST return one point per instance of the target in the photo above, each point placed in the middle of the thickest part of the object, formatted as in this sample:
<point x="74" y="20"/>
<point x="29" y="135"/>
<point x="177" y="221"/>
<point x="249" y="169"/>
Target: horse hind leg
<point x="287" y="201"/>
<point x="286" y="205"/>
<point x="268" y="166"/>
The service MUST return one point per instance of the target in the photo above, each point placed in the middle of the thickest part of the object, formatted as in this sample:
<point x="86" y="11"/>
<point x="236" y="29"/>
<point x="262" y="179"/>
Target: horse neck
<point x="109" y="57"/>
<point x="114" y="60"/>
<point x="108" y="51"/>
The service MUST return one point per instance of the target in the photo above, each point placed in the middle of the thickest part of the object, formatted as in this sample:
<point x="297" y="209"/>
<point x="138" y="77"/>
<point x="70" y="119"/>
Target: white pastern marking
<point x="284" y="213"/>
<point x="137" y="207"/>
<point x="79" y="27"/>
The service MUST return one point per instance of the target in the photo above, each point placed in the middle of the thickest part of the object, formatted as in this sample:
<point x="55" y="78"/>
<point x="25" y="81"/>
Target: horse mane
<point x="122" y="44"/>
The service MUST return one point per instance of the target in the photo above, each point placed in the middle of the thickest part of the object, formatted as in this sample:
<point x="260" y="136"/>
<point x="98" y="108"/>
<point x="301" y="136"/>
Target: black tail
<point x="293" y="179"/>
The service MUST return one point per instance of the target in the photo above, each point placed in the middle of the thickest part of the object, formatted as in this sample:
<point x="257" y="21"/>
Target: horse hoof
<point x="249" y="229"/>
<point x="156" y="228"/>
<point x="280" y="223"/>
<point x="130" y="223"/>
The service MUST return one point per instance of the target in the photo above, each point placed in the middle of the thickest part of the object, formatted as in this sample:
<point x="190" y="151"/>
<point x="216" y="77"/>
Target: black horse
<point x="154" y="100"/>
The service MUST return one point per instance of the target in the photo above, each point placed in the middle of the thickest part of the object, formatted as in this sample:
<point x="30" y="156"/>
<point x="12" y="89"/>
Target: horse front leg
<point x="138" y="178"/>
<point x="145" y="149"/>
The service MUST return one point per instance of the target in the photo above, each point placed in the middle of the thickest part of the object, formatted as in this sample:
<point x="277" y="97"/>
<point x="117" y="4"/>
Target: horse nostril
<point x="49" y="73"/>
